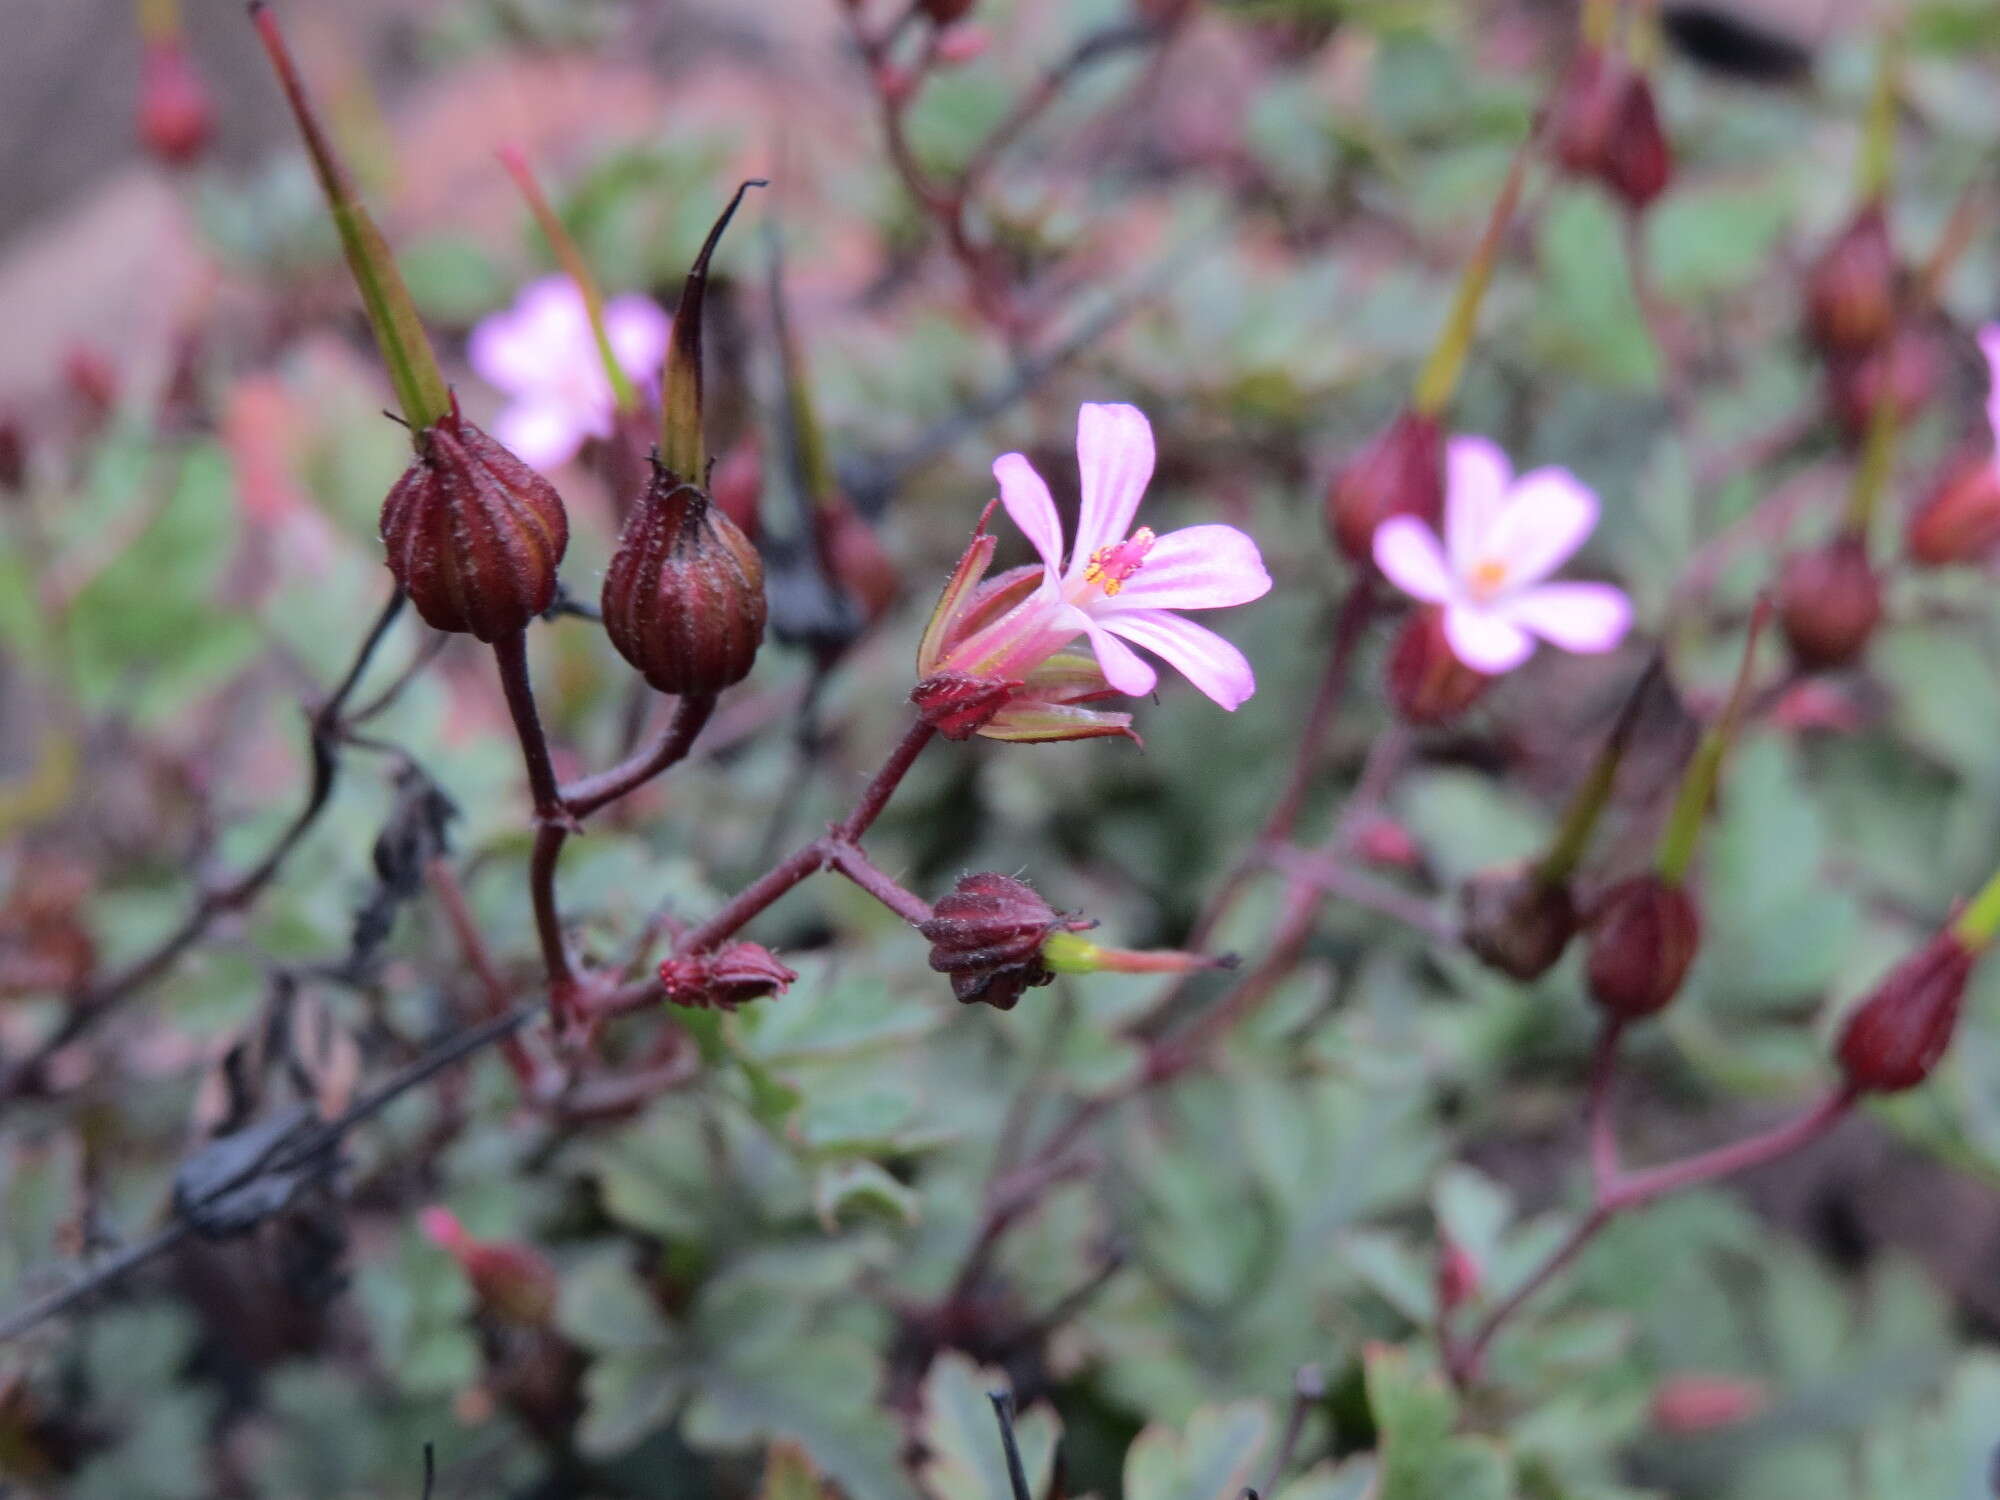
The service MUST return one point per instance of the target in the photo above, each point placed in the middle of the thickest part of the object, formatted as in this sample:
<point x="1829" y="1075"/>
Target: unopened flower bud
<point x="987" y="935"/>
<point x="1427" y="682"/>
<point x="1401" y="473"/>
<point x="1584" y="112"/>
<point x="473" y="534"/>
<point x="1517" y="922"/>
<point x="1851" y="288"/>
<point x="725" y="978"/>
<point x="1829" y="602"/>
<point x="1904" y="366"/>
<point x="684" y="594"/>
<point x="1643" y="937"/>
<point x="1638" y="163"/>
<point x="1383" y="841"/>
<point x="1684" y="1404"/>
<point x="1896" y="1036"/>
<point x="513" y="1282"/>
<point x="175" y="117"/>
<point x="1458" y="1277"/>
<point x="1959" y="521"/>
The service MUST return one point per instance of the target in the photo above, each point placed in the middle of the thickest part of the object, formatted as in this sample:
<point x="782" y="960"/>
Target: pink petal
<point x="638" y="330"/>
<point x="1548" y="514"/>
<point x="1989" y="345"/>
<point x="1583" y="617"/>
<point x="1484" y="641"/>
<point x="1123" y="667"/>
<point x="1027" y="501"/>
<point x="503" y="356"/>
<point x="1197" y="567"/>
<point x="1196" y="652"/>
<point x="1114" y="451"/>
<point x="1476" y="474"/>
<point x="542" y="434"/>
<point x="1406" y="550"/>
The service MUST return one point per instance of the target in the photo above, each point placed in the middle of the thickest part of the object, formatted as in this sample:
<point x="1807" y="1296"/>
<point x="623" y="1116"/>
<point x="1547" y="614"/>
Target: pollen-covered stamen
<point x="1110" y="567"/>
<point x="1487" y="578"/>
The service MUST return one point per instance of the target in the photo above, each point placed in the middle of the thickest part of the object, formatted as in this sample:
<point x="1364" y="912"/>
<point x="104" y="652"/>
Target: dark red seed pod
<point x="1428" y="684"/>
<point x="176" y="119"/>
<point x="1643" y="937"/>
<point x="1959" y="521"/>
<point x="684" y="594"/>
<point x="1896" y="1036"/>
<point x="725" y="978"/>
<point x="1829" y="602"/>
<point x="987" y="934"/>
<point x="1517" y="922"/>
<point x="1401" y="473"/>
<point x="1585" y="111"/>
<point x="473" y="534"/>
<point x="1638" y="162"/>
<point x="1851" y="288"/>
<point x="946" y="12"/>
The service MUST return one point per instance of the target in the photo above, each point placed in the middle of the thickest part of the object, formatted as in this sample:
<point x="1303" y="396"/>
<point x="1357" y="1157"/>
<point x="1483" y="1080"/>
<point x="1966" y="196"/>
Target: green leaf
<point x="1212" y="1456"/>
<point x="1415" y="1416"/>
<point x="961" y="1435"/>
<point x="861" y="1186"/>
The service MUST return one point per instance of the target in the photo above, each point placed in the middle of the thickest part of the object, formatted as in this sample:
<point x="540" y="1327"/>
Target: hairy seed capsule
<point x="987" y="934"/>
<point x="473" y="534"/>
<point x="1643" y="937"/>
<point x="684" y="594"/>
<point x="1898" y="1034"/>
<point x="1401" y="473"/>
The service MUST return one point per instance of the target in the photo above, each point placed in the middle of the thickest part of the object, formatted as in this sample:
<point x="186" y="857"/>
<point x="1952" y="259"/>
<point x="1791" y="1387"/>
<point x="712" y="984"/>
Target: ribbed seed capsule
<point x="473" y="534"/>
<point x="684" y="594"/>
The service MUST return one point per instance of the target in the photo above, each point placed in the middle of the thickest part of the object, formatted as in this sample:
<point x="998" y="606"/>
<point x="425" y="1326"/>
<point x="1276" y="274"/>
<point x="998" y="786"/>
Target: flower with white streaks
<point x="1002" y="643"/>
<point x="1503" y="537"/>
<point x="542" y="353"/>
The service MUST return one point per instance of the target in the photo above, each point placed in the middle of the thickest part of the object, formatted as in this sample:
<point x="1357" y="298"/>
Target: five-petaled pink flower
<point x="1119" y="589"/>
<point x="542" y="353"/>
<point x="1503" y="537"/>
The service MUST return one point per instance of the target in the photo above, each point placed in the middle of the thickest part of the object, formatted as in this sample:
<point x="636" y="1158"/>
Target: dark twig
<point x="1017" y="1473"/>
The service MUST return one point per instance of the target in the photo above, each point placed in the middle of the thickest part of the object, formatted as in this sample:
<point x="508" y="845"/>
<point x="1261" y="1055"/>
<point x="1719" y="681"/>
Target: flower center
<point x="1488" y="577"/>
<point x="1111" y="566"/>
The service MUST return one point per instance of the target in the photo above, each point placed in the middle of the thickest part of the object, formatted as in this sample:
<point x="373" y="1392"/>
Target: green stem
<point x="1698" y="785"/>
<point x="1591" y="798"/>
<point x="1876" y="169"/>
<point x="1878" y="457"/>
<point x="1440" y="374"/>
<point x="413" y="367"/>
<point x="570" y="258"/>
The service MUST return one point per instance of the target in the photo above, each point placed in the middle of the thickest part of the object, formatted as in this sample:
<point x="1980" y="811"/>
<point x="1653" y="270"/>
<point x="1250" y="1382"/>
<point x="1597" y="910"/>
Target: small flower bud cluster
<point x="725" y="978"/>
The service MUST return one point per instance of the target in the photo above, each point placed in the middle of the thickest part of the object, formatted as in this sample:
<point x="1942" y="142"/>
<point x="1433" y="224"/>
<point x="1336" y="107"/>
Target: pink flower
<point x="1503" y="536"/>
<point x="541" y="352"/>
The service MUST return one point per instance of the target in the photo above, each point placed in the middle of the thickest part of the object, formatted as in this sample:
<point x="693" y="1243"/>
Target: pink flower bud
<point x="1685" y="1404"/>
<point x="684" y="593"/>
<point x="1458" y="1278"/>
<point x="1829" y="602"/>
<point x="1851" y="288"/>
<point x="1385" y="842"/>
<point x="1643" y="936"/>
<point x="1427" y="682"/>
<point x="175" y="116"/>
<point x="1401" y="473"/>
<point x="473" y="534"/>
<point x="987" y="934"/>
<point x="513" y="1282"/>
<point x="962" y="44"/>
<point x="725" y="978"/>
<point x="1959" y="521"/>
<point x="1897" y="1035"/>
<point x="1516" y="922"/>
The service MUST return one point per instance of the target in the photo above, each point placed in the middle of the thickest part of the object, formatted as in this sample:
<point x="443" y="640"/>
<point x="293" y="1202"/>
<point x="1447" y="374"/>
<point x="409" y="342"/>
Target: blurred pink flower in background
<point x="542" y="354"/>
<point x="1989" y="345"/>
<point x="1503" y="537"/>
<point x="1120" y="585"/>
